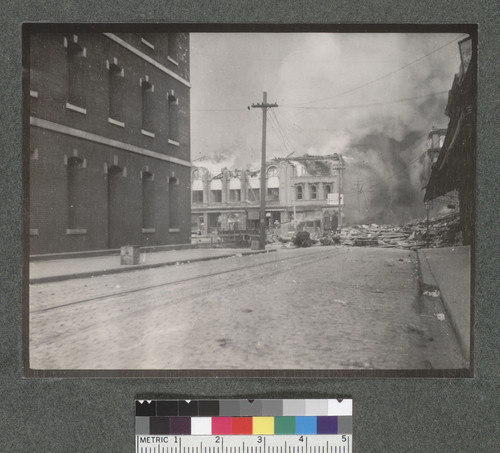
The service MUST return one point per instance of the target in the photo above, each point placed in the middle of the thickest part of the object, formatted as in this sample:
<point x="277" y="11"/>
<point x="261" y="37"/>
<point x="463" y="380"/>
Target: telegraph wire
<point x="280" y="127"/>
<point x="290" y="106"/>
<point x="387" y="74"/>
<point x="396" y="101"/>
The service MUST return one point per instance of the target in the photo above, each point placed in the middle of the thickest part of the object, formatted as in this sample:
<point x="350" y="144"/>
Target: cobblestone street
<point x="317" y="308"/>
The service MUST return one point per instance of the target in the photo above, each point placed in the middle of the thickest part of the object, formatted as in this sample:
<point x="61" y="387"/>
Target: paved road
<point x="317" y="308"/>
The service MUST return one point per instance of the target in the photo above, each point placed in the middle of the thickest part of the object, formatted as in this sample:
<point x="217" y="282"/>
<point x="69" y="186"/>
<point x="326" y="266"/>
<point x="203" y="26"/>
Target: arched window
<point x="299" y="192"/>
<point x="314" y="192"/>
<point x="327" y="190"/>
<point x="272" y="171"/>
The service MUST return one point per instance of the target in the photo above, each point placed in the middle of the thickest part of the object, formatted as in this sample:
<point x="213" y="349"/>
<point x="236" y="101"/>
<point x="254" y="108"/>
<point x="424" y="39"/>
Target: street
<point x="312" y="308"/>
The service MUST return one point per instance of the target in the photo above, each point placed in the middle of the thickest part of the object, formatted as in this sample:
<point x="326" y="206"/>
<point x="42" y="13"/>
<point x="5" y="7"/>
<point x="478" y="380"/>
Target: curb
<point x="426" y="277"/>
<point x="118" y="270"/>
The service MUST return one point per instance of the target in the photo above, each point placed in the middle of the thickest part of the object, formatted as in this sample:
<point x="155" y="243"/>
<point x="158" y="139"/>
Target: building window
<point x="197" y="196"/>
<point x="272" y="171"/>
<point x="253" y="194"/>
<point x="74" y="168"/>
<point x="299" y="192"/>
<point x="273" y="194"/>
<point x="327" y="189"/>
<point x="234" y="195"/>
<point x="147" y="40"/>
<point x="196" y="174"/>
<point x="116" y="81"/>
<point x="147" y="89"/>
<point x="148" y="198"/>
<point x="173" y="202"/>
<point x="216" y="196"/>
<point x="314" y="192"/>
<point x="76" y="55"/>
<point x="173" y="46"/>
<point x="173" y="113"/>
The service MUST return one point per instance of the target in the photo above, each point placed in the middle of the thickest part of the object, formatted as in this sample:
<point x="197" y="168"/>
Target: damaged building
<point x="302" y="192"/>
<point x="454" y="168"/>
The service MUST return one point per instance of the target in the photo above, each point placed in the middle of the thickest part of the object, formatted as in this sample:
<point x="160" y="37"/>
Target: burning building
<point x="299" y="190"/>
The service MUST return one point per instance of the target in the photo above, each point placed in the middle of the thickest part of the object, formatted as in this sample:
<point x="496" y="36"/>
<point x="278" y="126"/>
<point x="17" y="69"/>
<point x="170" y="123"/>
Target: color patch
<point x="316" y="407"/>
<point x="201" y="425"/>
<point x="188" y="408"/>
<point x="263" y="425"/>
<point x="208" y="408"/>
<point x="180" y="425"/>
<point x="241" y="425"/>
<point x="326" y="425"/>
<point x="166" y="408"/>
<point x="159" y="425"/>
<point x="294" y="407"/>
<point x="272" y="407"/>
<point x="221" y="425"/>
<point x="145" y="408"/>
<point x="250" y="408"/>
<point x="284" y="425"/>
<point x="305" y="425"/>
<point x="339" y="407"/>
<point x="229" y="408"/>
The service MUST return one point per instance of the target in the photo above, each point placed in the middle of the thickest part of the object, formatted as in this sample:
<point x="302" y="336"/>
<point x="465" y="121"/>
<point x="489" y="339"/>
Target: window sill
<point x="147" y="133"/>
<point x="76" y="231"/>
<point x="34" y="94"/>
<point x="148" y="230"/>
<point x="173" y="142"/>
<point x="75" y="108"/>
<point x="174" y="230"/>
<point x="115" y="122"/>
<point x="147" y="43"/>
<point x="34" y="232"/>
<point x="172" y="61"/>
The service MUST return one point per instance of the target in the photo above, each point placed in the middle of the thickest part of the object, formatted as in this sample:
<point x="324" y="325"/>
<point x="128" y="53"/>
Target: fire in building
<point x="453" y="171"/>
<point x="109" y="143"/>
<point x="302" y="193"/>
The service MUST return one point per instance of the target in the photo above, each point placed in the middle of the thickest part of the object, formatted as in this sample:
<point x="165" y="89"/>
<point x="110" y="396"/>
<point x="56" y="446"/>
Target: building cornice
<point x="147" y="58"/>
<point x="66" y="130"/>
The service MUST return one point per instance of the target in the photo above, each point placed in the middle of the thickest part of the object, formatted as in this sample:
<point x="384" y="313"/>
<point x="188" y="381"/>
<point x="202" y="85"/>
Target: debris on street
<point x="439" y="232"/>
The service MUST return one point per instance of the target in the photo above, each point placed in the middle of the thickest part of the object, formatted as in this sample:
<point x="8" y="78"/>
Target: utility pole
<point x="359" y="188"/>
<point x="340" y="184"/>
<point x="262" y="215"/>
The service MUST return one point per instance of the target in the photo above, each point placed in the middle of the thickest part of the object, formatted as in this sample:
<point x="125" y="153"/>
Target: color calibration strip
<point x="243" y="417"/>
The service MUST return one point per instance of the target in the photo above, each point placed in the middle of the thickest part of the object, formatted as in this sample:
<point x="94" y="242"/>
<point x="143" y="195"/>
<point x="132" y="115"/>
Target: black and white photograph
<point x="258" y="202"/>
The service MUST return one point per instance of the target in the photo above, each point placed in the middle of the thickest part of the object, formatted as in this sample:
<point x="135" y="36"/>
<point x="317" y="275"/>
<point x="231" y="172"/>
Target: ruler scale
<point x="244" y="426"/>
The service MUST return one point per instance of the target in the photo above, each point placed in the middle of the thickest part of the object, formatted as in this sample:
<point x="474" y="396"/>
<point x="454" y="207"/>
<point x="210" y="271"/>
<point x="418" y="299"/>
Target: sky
<point x="372" y="97"/>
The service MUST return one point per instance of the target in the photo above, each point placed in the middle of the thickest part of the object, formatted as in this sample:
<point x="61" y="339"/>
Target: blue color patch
<point x="305" y="425"/>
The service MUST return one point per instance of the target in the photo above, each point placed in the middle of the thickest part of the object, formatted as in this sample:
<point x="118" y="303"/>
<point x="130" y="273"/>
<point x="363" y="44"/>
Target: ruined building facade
<point x="455" y="166"/>
<point x="298" y="189"/>
<point x="109" y="140"/>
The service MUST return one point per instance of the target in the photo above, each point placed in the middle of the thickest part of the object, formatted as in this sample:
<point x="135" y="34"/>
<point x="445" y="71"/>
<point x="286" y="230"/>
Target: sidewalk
<point x="448" y="270"/>
<point x="68" y="268"/>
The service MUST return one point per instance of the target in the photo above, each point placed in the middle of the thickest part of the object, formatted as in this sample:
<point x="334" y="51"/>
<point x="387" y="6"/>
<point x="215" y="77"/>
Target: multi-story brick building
<point x="298" y="188"/>
<point x="109" y="140"/>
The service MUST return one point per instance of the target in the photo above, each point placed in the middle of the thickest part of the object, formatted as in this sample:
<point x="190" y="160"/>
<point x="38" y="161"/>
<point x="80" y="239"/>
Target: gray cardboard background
<point x="390" y="415"/>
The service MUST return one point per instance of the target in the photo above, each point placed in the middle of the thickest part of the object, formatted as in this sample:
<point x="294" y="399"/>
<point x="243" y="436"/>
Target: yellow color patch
<point x="263" y="425"/>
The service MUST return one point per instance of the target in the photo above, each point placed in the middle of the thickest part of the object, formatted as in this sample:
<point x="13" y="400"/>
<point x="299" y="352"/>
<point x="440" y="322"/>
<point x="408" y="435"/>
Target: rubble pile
<point x="439" y="232"/>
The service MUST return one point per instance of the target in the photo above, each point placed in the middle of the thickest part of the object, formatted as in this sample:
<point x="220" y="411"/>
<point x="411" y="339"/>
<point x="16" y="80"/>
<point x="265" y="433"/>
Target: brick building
<point x="109" y="140"/>
<point x="298" y="189"/>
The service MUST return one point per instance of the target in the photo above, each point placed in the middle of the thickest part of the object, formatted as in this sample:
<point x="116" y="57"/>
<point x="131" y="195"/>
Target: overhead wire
<point x="387" y="74"/>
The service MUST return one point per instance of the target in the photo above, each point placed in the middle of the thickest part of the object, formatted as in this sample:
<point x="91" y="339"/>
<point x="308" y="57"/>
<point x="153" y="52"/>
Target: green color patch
<point x="284" y="425"/>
